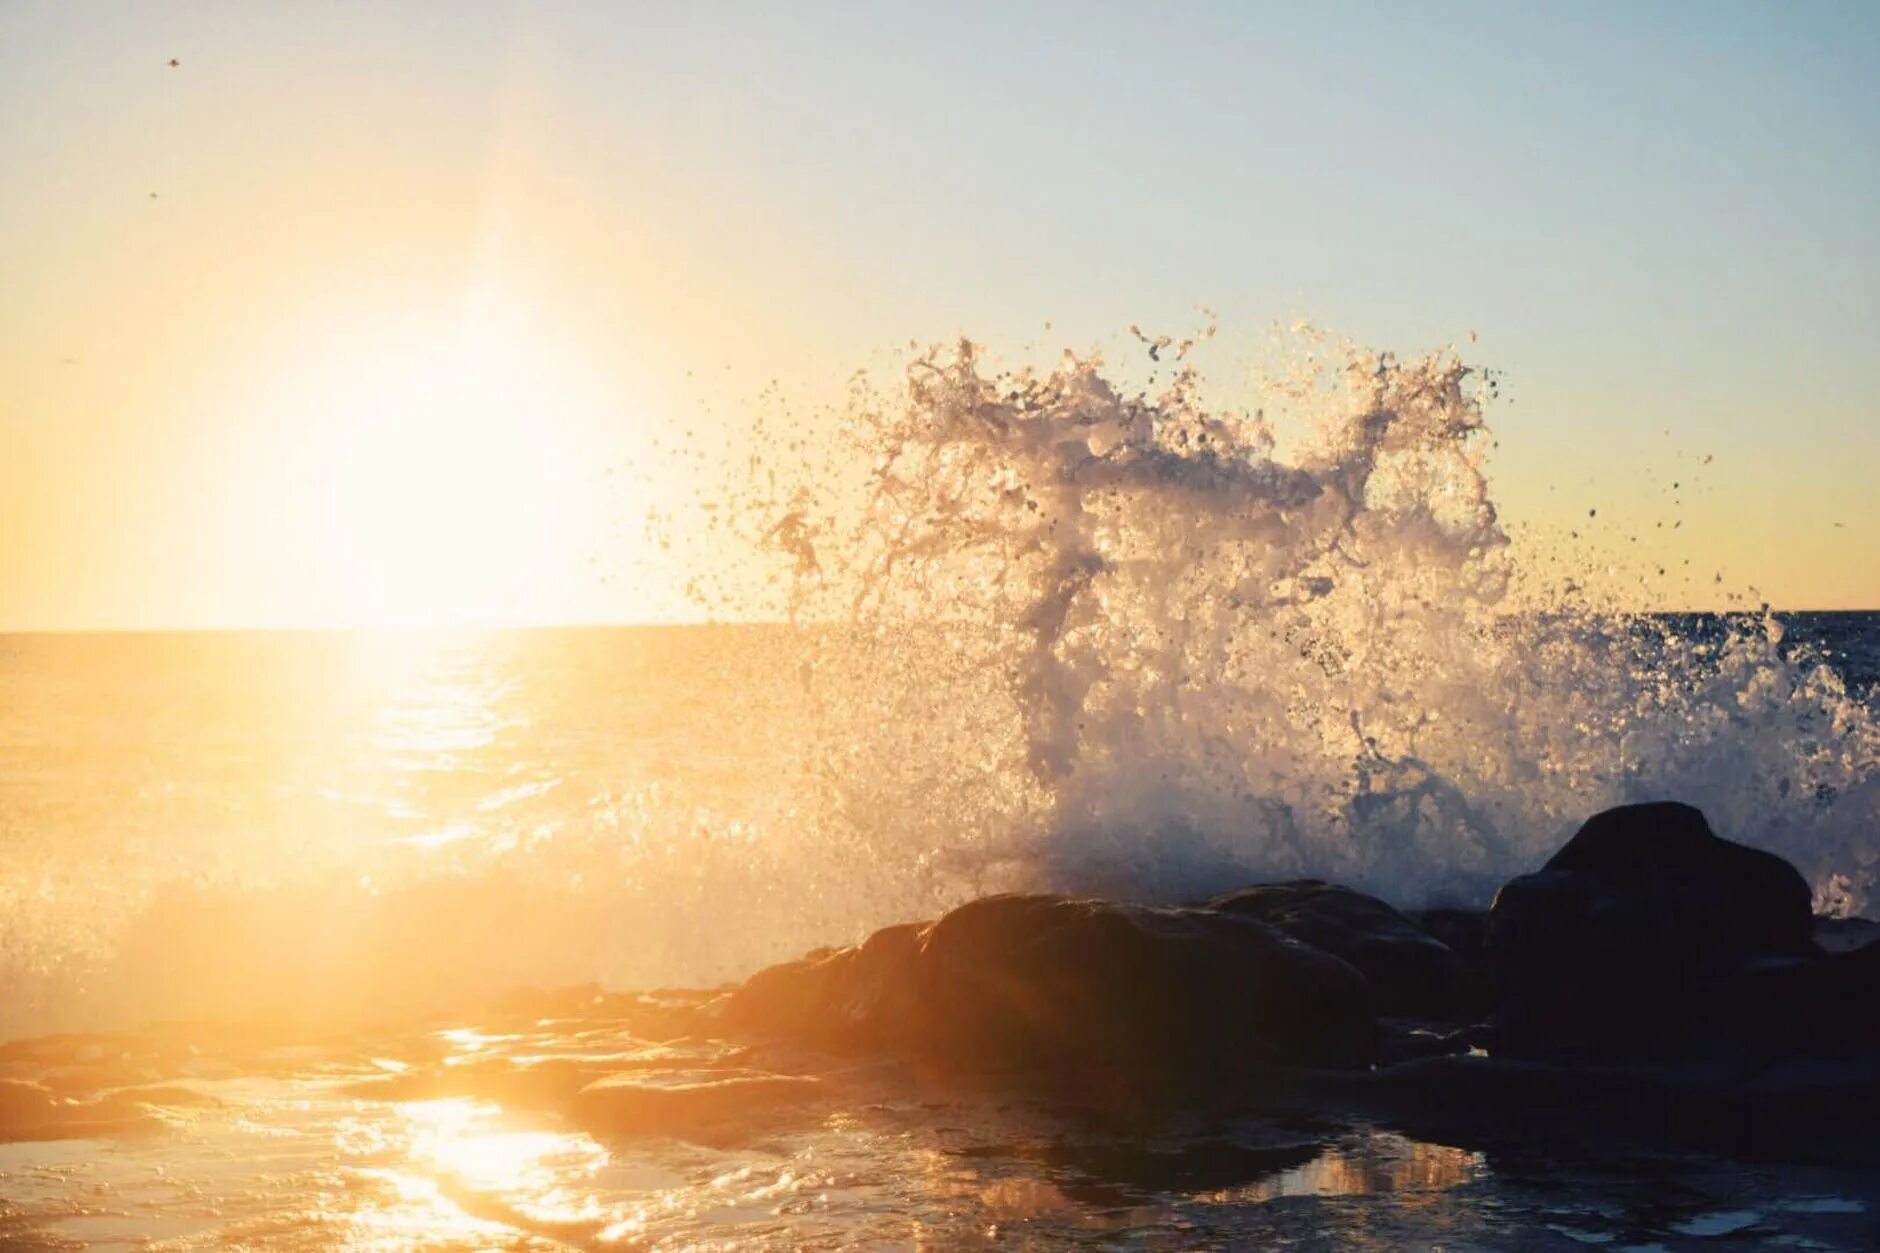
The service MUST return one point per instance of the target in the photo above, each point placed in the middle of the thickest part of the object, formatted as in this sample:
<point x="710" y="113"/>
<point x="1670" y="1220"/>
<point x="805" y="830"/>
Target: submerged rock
<point x="1412" y="974"/>
<point x="1074" y="994"/>
<point x="1639" y="939"/>
<point x="710" y="1107"/>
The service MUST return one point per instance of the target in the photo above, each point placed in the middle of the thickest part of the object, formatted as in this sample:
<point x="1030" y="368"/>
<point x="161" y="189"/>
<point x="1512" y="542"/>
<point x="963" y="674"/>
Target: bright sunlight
<point x="434" y="471"/>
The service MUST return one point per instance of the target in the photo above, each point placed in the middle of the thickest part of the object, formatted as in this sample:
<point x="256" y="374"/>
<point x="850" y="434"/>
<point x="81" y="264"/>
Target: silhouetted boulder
<point x="1639" y="937"/>
<point x="1741" y="897"/>
<point x="1844" y="935"/>
<point x="1465" y="932"/>
<point x="1078" y="995"/>
<point x="1412" y="974"/>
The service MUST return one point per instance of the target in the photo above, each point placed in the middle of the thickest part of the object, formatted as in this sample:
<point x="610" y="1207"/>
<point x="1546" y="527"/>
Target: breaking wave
<point x="1053" y="633"/>
<point x="1096" y="640"/>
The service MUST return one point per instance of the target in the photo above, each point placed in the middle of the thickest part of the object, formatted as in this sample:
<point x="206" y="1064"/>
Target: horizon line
<point x="495" y="628"/>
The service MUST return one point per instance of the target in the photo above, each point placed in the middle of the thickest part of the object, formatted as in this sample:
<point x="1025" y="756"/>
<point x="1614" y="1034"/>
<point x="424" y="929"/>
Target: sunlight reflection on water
<point x="1383" y="1162"/>
<point x="455" y="1139"/>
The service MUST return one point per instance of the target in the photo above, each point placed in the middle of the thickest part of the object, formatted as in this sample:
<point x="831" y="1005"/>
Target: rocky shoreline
<point x="1652" y="977"/>
<point x="1650" y="969"/>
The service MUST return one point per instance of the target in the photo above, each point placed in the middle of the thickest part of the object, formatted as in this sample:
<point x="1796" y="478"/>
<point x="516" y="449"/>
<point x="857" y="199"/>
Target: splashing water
<point x="1095" y="641"/>
<point x="1047" y="634"/>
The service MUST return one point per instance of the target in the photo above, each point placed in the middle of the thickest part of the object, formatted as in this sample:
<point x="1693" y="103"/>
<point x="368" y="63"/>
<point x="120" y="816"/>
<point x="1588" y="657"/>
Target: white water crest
<point x="1110" y="641"/>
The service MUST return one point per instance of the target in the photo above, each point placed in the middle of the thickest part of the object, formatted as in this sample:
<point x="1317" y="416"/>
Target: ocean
<point x="314" y="940"/>
<point x="380" y="844"/>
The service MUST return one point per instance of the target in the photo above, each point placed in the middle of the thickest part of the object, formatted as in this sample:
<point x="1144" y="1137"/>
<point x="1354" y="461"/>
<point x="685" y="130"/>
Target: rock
<point x="29" y="1111"/>
<point x="860" y="999"/>
<point x="708" y="1108"/>
<point x="1746" y="898"/>
<point x="1080" y="995"/>
<point x="1825" y="1006"/>
<point x="1636" y="939"/>
<point x="1412" y="974"/>
<point x="1464" y="931"/>
<point x="1844" y="935"/>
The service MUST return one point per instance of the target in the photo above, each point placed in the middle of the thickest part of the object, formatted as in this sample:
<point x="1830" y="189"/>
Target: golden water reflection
<point x="459" y="1172"/>
<point x="1380" y="1162"/>
<point x="1367" y="1163"/>
<point x="382" y="1142"/>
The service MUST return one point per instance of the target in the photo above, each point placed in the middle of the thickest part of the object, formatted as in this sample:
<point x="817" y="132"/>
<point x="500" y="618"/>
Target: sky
<point x="368" y="313"/>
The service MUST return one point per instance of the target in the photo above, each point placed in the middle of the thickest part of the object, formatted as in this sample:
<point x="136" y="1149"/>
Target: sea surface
<point x="263" y="880"/>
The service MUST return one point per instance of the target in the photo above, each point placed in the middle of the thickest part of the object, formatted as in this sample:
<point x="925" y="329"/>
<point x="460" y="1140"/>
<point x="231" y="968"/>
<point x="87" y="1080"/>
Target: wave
<point x="1094" y="640"/>
<point x="1055" y="634"/>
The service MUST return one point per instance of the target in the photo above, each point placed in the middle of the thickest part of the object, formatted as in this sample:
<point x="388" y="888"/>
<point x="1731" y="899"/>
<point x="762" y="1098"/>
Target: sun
<point x="432" y="471"/>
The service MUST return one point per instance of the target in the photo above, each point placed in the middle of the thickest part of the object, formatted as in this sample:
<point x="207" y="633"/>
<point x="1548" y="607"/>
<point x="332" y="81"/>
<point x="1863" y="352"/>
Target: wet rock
<point x="1844" y="935"/>
<point x="1074" y="994"/>
<point x="1823" y="1006"/>
<point x="29" y="1111"/>
<point x="1637" y="938"/>
<point x="1810" y="1106"/>
<point x="860" y="999"/>
<point x="710" y="1108"/>
<point x="1403" y="1040"/>
<point x="1464" y="931"/>
<point x="1741" y="897"/>
<point x="1412" y="974"/>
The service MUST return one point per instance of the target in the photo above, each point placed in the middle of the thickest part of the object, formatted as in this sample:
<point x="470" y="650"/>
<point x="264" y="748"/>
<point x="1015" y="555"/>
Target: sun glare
<point x="438" y="474"/>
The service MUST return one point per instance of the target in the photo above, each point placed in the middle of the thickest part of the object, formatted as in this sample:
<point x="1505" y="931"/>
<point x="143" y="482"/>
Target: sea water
<point x="1042" y="633"/>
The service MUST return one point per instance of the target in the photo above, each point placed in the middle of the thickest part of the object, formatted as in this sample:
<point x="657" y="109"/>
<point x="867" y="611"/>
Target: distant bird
<point x="174" y="63"/>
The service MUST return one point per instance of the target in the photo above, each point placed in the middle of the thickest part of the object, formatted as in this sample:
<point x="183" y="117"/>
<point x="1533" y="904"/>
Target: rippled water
<point x="315" y="1146"/>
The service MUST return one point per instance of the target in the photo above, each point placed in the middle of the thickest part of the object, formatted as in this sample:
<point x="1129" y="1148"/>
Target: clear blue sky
<point x="1662" y="219"/>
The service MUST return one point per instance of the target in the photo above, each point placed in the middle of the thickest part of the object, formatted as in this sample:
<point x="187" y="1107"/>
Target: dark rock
<point x="1825" y="1006"/>
<point x="1412" y="974"/>
<point x="1750" y="899"/>
<point x="860" y="999"/>
<point x="1464" y="931"/>
<point x="1809" y="1107"/>
<point x="1400" y="1040"/>
<point x="1636" y="939"/>
<point x="1853" y="1017"/>
<point x="1079" y="994"/>
<point x="1844" y="935"/>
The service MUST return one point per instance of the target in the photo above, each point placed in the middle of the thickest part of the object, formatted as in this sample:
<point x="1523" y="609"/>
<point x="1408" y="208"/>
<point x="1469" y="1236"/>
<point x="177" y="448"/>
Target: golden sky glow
<point x="347" y="317"/>
<point x="423" y="471"/>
